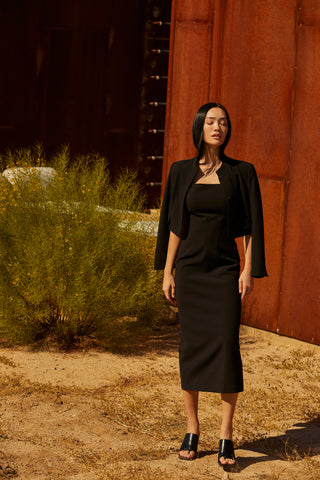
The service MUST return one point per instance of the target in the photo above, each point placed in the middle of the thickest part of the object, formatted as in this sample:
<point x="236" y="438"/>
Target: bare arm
<point x="168" y="278"/>
<point x="245" y="280"/>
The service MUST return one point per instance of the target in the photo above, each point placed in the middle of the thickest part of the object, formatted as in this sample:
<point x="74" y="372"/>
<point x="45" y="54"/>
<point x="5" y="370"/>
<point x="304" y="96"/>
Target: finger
<point x="169" y="297"/>
<point x="173" y="295"/>
<point x="242" y="290"/>
<point x="172" y="300"/>
<point x="167" y="294"/>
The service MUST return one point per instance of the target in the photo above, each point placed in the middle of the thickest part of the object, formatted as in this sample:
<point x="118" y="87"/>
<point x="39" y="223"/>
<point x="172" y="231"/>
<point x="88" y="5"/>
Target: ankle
<point x="226" y="433"/>
<point x="193" y="427"/>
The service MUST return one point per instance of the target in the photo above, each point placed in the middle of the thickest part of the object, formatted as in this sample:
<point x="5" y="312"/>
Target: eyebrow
<point x="214" y="118"/>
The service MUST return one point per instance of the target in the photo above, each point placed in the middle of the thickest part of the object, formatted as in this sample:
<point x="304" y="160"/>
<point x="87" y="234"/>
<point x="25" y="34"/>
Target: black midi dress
<point x="209" y="303"/>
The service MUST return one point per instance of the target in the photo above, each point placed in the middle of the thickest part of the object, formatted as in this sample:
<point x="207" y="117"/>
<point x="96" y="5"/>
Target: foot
<point x="227" y="461"/>
<point x="226" y="434"/>
<point x="226" y="456"/>
<point x="189" y="447"/>
<point x="186" y="455"/>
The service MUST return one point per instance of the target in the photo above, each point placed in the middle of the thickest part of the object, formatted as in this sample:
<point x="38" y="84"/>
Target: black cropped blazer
<point x="244" y="207"/>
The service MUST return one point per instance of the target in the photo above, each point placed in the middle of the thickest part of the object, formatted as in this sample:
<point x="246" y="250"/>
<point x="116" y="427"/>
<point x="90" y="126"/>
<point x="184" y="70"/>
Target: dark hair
<point x="197" y="126"/>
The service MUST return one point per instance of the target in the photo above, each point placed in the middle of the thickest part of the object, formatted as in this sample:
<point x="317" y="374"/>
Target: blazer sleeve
<point x="163" y="229"/>
<point x="257" y="228"/>
<point x="173" y="216"/>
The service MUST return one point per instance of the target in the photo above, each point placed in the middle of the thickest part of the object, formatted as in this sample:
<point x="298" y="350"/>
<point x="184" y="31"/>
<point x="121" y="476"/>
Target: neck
<point x="211" y="155"/>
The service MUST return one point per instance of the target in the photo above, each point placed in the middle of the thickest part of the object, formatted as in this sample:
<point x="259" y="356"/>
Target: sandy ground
<point x="91" y="414"/>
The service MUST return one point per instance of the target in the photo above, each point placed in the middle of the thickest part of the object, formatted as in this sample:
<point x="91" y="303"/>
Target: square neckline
<point x="216" y="172"/>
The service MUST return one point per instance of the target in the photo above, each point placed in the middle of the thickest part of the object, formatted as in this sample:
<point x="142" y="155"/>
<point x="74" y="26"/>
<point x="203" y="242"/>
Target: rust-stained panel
<point x="256" y="76"/>
<point x="199" y="11"/>
<point x="190" y="48"/>
<point x="263" y="63"/>
<point x="309" y="13"/>
<point x="261" y="309"/>
<point x="300" y="292"/>
<point x="256" y="81"/>
<point x="192" y="66"/>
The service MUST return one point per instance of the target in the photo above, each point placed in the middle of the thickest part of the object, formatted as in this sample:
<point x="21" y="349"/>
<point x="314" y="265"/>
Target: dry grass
<point x="131" y="427"/>
<point x="6" y="361"/>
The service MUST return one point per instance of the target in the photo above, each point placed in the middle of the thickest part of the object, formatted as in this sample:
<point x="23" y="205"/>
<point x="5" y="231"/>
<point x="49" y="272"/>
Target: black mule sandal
<point x="190" y="443"/>
<point x="226" y="450"/>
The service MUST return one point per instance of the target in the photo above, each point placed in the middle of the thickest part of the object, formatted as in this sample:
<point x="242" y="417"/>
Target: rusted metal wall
<point x="300" y="288"/>
<point x="71" y="73"/>
<point x="262" y="61"/>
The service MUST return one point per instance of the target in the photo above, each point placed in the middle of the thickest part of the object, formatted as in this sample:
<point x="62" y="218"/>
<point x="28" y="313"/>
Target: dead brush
<point x="6" y="361"/>
<point x="300" y="360"/>
<point x="140" y="471"/>
<point x="144" y="413"/>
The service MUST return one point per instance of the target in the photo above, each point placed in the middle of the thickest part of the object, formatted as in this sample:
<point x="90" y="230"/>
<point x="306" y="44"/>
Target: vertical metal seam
<point x="211" y="22"/>
<point x="289" y="162"/>
<point x="216" y="48"/>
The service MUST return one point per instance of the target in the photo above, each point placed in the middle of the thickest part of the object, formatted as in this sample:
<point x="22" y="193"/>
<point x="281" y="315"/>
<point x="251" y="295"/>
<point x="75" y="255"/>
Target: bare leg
<point x="191" y="406"/>
<point x="229" y="401"/>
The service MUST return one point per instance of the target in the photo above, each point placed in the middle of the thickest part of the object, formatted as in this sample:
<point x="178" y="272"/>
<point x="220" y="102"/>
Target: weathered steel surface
<point x="188" y="82"/>
<point x="300" y="291"/>
<point x="261" y="309"/>
<point x="256" y="81"/>
<point x="263" y="63"/>
<point x="309" y="13"/>
<point x="199" y="11"/>
<point x="256" y="84"/>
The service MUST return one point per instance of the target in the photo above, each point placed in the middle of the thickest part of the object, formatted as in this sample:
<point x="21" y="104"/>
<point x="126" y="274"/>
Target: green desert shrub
<point x="70" y="262"/>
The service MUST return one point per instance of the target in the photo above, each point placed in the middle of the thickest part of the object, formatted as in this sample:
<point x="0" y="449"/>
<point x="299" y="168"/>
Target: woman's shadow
<point x="303" y="439"/>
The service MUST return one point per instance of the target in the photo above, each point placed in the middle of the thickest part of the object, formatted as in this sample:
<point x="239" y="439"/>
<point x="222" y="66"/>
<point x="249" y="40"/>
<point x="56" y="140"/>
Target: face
<point x="215" y="127"/>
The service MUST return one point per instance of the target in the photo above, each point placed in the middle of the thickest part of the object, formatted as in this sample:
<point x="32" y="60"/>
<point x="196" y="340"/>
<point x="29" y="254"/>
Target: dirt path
<point x="99" y="415"/>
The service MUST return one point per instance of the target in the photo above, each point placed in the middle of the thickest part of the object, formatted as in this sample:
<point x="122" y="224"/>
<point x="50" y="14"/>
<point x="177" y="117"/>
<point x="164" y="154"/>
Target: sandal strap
<point x="226" y="449"/>
<point x="190" y="442"/>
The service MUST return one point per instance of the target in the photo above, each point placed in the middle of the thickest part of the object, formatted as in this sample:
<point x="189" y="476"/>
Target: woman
<point x="208" y="202"/>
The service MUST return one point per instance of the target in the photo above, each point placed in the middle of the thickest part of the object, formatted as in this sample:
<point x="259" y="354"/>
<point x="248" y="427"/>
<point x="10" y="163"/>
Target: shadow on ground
<point x="295" y="444"/>
<point x="132" y="338"/>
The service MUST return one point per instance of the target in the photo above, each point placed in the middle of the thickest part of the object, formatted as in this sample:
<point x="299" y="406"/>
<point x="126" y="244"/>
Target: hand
<point x="169" y="288"/>
<point x="245" y="284"/>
